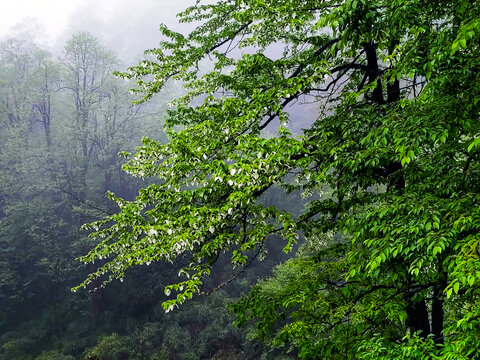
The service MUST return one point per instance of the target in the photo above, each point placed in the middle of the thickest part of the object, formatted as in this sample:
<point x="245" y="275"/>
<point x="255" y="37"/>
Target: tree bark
<point x="417" y="317"/>
<point x="373" y="72"/>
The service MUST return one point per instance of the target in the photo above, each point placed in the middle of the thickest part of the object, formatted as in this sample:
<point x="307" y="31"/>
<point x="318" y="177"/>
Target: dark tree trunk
<point x="417" y="318"/>
<point x="373" y="72"/>
<point x="393" y="91"/>
<point x="393" y="88"/>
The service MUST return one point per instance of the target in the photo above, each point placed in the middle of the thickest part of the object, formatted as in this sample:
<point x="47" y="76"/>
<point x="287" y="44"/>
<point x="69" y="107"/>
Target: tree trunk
<point x="437" y="316"/>
<point x="373" y="72"/>
<point x="417" y="317"/>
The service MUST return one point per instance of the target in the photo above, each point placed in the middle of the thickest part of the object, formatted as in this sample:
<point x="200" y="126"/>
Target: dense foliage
<point x="390" y="267"/>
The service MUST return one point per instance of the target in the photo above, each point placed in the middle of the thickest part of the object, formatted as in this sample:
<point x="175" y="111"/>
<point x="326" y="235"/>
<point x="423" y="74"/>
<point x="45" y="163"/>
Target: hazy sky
<point x="52" y="13"/>
<point x="126" y="26"/>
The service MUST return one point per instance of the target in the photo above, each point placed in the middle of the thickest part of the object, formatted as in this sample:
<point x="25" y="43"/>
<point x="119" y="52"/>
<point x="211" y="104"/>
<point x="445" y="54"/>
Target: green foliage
<point x="111" y="347"/>
<point x="391" y="262"/>
<point x="54" y="355"/>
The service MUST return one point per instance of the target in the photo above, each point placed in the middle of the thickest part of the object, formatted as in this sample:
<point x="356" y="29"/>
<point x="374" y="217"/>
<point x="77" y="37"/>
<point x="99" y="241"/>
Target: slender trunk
<point x="46" y="122"/>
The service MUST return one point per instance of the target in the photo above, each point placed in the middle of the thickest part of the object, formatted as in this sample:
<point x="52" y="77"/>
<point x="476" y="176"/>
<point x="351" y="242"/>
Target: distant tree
<point x="45" y="83"/>
<point x="89" y="68"/>
<point x="390" y="268"/>
<point x="101" y="116"/>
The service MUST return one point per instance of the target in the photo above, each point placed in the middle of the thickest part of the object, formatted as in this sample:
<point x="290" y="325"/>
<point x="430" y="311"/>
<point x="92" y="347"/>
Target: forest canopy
<point x="389" y="171"/>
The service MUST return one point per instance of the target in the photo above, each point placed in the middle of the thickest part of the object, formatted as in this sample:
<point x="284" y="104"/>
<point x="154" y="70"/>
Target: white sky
<point x="126" y="26"/>
<point x="52" y="14"/>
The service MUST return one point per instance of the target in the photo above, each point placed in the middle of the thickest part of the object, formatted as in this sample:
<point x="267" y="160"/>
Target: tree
<point x="89" y="66"/>
<point x="390" y="262"/>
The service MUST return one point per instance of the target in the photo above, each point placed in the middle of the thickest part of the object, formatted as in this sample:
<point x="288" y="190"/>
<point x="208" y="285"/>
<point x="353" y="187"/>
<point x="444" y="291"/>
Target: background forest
<point x="64" y="120"/>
